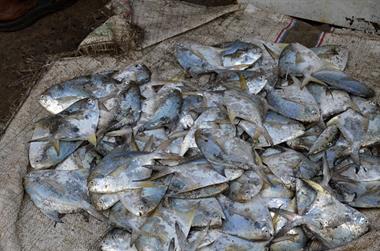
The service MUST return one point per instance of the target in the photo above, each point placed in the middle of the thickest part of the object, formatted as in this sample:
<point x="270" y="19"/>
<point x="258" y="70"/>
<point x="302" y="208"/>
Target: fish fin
<point x="266" y="135"/>
<point x="275" y="56"/>
<point x="354" y="107"/>
<point x="355" y="152"/>
<point x="148" y="147"/>
<point x="55" y="144"/>
<point x="181" y="237"/>
<point x="259" y="169"/>
<point x="308" y="78"/>
<point x="286" y="237"/>
<point x="53" y="215"/>
<point x="47" y="138"/>
<point x="326" y="171"/>
<point x="92" y="211"/>
<point x="243" y="82"/>
<point x="120" y="132"/>
<point x="294" y="220"/>
<point x="92" y="139"/>
<point x="172" y="245"/>
<point x="133" y="144"/>
<point x="317" y="187"/>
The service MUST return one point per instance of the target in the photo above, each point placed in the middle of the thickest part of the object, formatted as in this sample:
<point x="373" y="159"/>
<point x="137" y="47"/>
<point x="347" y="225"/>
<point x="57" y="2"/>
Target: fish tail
<point x="294" y="220"/>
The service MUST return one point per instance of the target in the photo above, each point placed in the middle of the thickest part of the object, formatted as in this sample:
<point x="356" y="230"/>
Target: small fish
<point x="208" y="211"/>
<point x="83" y="157"/>
<point x="342" y="81"/>
<point x="137" y="73"/>
<point x="250" y="108"/>
<point x="250" y="220"/>
<point x="61" y="96"/>
<point x="331" y="102"/>
<point x="354" y="128"/>
<point x="57" y="192"/>
<point x="120" y="217"/>
<point x="126" y="172"/>
<point x="117" y="240"/>
<point x="166" y="113"/>
<point x="43" y="155"/>
<point x="289" y="164"/>
<point x="294" y="102"/>
<point x="189" y="176"/>
<point x="78" y="122"/>
<point x="199" y="59"/>
<point x="245" y="187"/>
<point x="331" y="222"/>
<point x="324" y="140"/>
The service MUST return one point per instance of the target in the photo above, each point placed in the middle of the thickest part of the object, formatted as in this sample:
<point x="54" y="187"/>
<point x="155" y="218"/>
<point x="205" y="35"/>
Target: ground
<point x="24" y="53"/>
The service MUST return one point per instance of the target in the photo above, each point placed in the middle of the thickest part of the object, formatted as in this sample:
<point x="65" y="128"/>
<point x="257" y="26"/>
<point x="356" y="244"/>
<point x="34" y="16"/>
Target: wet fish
<point x="354" y="127"/>
<point x="294" y="102"/>
<point x="167" y="112"/>
<point x="83" y="157"/>
<point x="250" y="108"/>
<point x="138" y="73"/>
<point x="120" y="217"/>
<point x="250" y="220"/>
<point x="117" y="240"/>
<point x="198" y="59"/>
<point x="246" y="187"/>
<point x="61" y="96"/>
<point x="324" y="140"/>
<point x="333" y="54"/>
<point x="342" y="81"/>
<point x="78" y="122"/>
<point x="200" y="193"/>
<point x="331" y="222"/>
<point x="57" y="192"/>
<point x="125" y="172"/>
<point x="289" y="164"/>
<point x="43" y="155"/>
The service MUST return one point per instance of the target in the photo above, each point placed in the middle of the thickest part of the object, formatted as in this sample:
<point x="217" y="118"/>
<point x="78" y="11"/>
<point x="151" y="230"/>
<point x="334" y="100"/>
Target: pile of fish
<point x="252" y="146"/>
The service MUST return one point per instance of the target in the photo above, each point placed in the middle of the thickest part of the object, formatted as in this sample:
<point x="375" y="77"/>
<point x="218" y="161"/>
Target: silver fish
<point x="43" y="155"/>
<point x="117" y="240"/>
<point x="57" y="192"/>
<point x="342" y="81"/>
<point x="250" y="220"/>
<point x="324" y="140"/>
<point x="83" y="157"/>
<point x="138" y="73"/>
<point x="120" y="217"/>
<point x="332" y="222"/>
<point x="246" y="187"/>
<point x="61" y="96"/>
<point x="167" y="112"/>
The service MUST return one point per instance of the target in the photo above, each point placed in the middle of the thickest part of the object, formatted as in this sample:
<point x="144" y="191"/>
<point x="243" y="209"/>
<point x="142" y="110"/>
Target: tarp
<point x="166" y="22"/>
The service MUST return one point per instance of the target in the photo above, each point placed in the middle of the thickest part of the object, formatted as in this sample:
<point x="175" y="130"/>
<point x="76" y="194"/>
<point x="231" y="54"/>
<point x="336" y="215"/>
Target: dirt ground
<point x="24" y="53"/>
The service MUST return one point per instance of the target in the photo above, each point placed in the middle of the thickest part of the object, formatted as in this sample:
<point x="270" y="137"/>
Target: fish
<point x="83" y="157"/>
<point x="289" y="164"/>
<point x="57" y="192"/>
<point x="117" y="240"/>
<point x="200" y="193"/>
<point x="231" y="152"/>
<point x="61" y="96"/>
<point x="245" y="187"/>
<point x="126" y="172"/>
<point x="354" y="127"/>
<point x="189" y="176"/>
<point x="331" y="222"/>
<point x="324" y="140"/>
<point x="373" y="132"/>
<point x="280" y="129"/>
<point x="294" y="102"/>
<point x="333" y="54"/>
<point x="331" y="102"/>
<point x="208" y="212"/>
<point x="43" y="155"/>
<point x="206" y="119"/>
<point x="167" y="112"/>
<point x="250" y="220"/>
<point x="250" y="108"/>
<point x="78" y="122"/>
<point x="137" y="73"/>
<point x="199" y="59"/>
<point x="342" y="81"/>
<point x="121" y="218"/>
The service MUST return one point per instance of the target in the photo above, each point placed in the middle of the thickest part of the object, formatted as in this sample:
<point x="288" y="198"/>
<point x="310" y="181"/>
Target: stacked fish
<point x="237" y="153"/>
